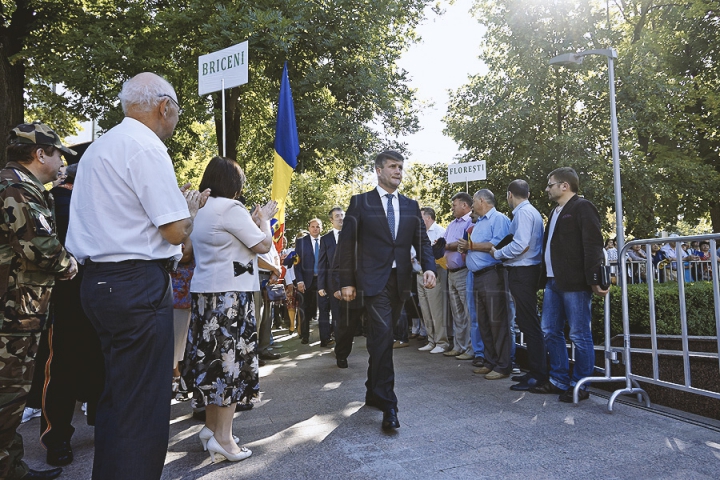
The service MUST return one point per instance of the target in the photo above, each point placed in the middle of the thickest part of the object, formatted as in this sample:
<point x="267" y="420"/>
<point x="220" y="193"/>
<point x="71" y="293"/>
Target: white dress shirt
<point x="124" y="190"/>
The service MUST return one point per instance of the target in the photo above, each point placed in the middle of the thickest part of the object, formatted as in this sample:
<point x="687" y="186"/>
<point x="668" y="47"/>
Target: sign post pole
<point x="223" y="118"/>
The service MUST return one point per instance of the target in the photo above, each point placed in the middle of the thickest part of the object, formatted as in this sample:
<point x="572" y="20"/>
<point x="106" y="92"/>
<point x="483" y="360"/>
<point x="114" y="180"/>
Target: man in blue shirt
<point x="522" y="258"/>
<point x="491" y="293"/>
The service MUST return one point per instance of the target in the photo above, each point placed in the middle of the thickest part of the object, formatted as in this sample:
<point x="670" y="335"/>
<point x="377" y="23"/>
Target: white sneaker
<point x="30" y="413"/>
<point x="438" y="349"/>
<point x="427" y="347"/>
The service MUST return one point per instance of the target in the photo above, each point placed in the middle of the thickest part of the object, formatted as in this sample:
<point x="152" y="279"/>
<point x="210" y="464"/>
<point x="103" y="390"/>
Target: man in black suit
<point x="374" y="257"/>
<point x="572" y="260"/>
<point x="326" y="300"/>
<point x="306" y="275"/>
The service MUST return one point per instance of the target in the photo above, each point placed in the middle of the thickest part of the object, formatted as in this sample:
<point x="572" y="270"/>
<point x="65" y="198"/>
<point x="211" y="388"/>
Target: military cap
<point x="36" y="133"/>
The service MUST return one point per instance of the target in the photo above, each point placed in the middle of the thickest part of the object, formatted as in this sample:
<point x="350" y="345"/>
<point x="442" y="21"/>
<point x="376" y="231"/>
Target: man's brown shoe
<point x="495" y="375"/>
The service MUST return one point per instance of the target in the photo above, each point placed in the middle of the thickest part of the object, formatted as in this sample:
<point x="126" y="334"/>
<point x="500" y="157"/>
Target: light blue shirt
<point x="526" y="246"/>
<point x="491" y="227"/>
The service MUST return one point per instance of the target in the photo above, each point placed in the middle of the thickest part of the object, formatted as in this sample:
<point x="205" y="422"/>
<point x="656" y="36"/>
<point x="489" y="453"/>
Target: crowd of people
<point x="178" y="289"/>
<point x="695" y="261"/>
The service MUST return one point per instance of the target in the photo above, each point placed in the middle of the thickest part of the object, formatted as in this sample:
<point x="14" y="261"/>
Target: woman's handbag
<point x="276" y="292"/>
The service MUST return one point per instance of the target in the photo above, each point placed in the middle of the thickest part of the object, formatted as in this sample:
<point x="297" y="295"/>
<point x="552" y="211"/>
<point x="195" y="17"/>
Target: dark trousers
<point x="308" y="307"/>
<point x="130" y="304"/>
<point x="327" y="305"/>
<point x="382" y="313"/>
<point x="523" y="287"/>
<point x="346" y="326"/>
<point x="491" y="303"/>
<point x="74" y="367"/>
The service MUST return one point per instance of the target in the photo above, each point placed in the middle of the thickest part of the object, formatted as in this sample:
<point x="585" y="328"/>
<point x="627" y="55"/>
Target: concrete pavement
<point x="311" y="424"/>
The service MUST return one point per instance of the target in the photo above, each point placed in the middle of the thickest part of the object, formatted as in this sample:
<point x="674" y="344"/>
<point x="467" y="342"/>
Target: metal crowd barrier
<point x="630" y="378"/>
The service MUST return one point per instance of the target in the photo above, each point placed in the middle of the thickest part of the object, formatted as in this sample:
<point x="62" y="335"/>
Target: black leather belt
<point x="453" y="270"/>
<point x="169" y="264"/>
<point x="497" y="266"/>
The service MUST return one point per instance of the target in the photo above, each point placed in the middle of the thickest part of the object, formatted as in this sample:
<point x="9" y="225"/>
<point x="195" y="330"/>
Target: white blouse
<point x="223" y="233"/>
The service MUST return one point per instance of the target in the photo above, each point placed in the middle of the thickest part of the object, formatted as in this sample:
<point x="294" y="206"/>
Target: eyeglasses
<point x="549" y="185"/>
<point x="180" y="110"/>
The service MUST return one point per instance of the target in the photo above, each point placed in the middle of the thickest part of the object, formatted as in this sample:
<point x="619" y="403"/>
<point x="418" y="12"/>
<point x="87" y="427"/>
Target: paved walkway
<point x="311" y="424"/>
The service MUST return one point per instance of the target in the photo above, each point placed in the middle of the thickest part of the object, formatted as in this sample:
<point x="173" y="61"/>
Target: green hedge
<point x="698" y="301"/>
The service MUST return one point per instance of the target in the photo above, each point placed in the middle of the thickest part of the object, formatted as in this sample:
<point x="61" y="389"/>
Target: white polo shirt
<point x="222" y="236"/>
<point x="124" y="190"/>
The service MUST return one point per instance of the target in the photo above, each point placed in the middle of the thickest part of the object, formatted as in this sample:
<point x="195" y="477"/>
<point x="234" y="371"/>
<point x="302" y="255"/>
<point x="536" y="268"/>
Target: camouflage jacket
<point x="31" y="256"/>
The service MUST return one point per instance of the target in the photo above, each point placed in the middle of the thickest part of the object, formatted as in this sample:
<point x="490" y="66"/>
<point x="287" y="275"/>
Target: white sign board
<point x="229" y="64"/>
<point x="466" y="172"/>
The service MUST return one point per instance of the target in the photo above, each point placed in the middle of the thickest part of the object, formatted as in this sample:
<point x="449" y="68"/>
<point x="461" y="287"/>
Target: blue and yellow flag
<point x="287" y="148"/>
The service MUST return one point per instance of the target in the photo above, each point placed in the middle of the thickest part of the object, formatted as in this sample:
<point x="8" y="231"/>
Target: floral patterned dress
<point x="221" y="365"/>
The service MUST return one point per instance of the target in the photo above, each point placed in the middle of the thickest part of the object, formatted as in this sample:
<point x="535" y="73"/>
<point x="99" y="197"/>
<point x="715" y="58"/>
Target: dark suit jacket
<point x="305" y="270"/>
<point x="327" y="252"/>
<point x="576" y="246"/>
<point x="366" y="249"/>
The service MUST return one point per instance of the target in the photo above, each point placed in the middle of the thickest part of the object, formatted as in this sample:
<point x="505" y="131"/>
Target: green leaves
<point x="526" y="118"/>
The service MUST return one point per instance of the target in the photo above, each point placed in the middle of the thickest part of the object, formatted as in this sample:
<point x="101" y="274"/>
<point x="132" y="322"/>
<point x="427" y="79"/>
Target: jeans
<point x="574" y="308"/>
<point x="475" y="338"/>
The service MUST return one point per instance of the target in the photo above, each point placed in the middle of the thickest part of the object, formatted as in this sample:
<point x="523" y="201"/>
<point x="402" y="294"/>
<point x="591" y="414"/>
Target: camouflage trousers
<point x="17" y="362"/>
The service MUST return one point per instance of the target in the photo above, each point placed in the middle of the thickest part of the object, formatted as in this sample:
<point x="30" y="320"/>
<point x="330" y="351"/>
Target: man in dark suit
<point x="572" y="260"/>
<point x="326" y="300"/>
<point x="306" y="275"/>
<point x="374" y="257"/>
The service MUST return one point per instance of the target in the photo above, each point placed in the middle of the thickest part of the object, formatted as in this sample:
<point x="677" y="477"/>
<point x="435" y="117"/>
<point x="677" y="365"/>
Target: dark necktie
<point x="317" y="254"/>
<point x="391" y="215"/>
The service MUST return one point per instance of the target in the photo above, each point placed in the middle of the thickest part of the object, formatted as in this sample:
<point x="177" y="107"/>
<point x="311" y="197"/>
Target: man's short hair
<point x="567" y="175"/>
<point x="333" y="209"/>
<point x="519" y="188"/>
<point x="486" y="195"/>
<point x="430" y="212"/>
<point x="224" y="177"/>
<point x="70" y="173"/>
<point x="463" y="197"/>
<point x="315" y="220"/>
<point x="383" y="157"/>
<point x="23" y="153"/>
<point x="144" y="93"/>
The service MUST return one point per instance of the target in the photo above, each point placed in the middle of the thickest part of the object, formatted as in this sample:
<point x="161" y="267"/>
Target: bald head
<point x="151" y="100"/>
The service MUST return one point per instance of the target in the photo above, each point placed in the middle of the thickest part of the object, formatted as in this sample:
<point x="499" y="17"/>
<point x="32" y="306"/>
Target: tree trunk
<point x="12" y="75"/>
<point x="232" y="126"/>
<point x="715" y="216"/>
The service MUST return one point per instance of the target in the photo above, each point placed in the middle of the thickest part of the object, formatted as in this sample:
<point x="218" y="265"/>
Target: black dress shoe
<point x="329" y="344"/>
<point x="521" y="378"/>
<point x="304" y="341"/>
<point x="390" y="420"/>
<point x="546" y="387"/>
<point x="243" y="407"/>
<point x="42" y="474"/>
<point x="269" y="356"/>
<point x="524" y="386"/>
<point x="59" y="455"/>
<point x="567" y="395"/>
<point x="342" y="363"/>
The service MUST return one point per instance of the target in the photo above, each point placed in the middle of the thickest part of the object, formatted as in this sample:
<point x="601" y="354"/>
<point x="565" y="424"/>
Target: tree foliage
<point x="527" y="118"/>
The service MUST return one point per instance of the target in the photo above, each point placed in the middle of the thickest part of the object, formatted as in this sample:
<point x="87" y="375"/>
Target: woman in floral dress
<point x="221" y="364"/>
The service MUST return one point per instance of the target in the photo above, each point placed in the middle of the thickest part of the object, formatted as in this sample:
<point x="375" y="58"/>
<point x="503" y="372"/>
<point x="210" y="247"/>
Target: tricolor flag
<point x="287" y="148"/>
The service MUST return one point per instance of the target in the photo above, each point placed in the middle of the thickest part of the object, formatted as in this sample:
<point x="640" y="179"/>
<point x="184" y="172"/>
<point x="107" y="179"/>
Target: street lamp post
<point x="611" y="54"/>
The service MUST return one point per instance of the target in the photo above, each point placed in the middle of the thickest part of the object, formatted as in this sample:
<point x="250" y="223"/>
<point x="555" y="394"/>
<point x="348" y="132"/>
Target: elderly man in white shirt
<point x="433" y="301"/>
<point x="127" y="221"/>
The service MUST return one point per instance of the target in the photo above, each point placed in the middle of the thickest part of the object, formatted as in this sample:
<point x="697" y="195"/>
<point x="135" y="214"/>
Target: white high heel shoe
<point x="205" y="435"/>
<point x="214" y="447"/>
